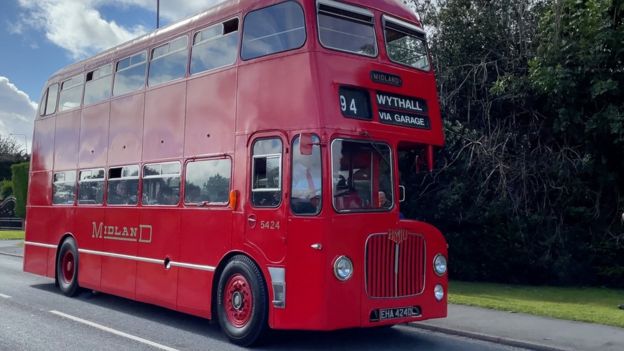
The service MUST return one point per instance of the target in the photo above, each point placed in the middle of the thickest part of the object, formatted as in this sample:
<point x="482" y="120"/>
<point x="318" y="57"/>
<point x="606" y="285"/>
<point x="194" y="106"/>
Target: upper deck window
<point x="98" y="86"/>
<point x="71" y="93"/>
<point x="405" y="43"/>
<point x="48" y="101"/>
<point x="346" y="28"/>
<point x="168" y="61"/>
<point x="215" y="47"/>
<point x="273" y="29"/>
<point x="130" y="74"/>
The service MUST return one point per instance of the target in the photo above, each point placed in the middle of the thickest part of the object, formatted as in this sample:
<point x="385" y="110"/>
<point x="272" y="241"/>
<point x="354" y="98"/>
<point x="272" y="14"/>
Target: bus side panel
<point x="94" y="136"/>
<point x="88" y="222"/>
<point x="119" y="274"/>
<point x="43" y="145"/>
<point x="204" y="238"/>
<point x="39" y="192"/>
<point x="66" y="141"/>
<point x="163" y="128"/>
<point x="210" y="114"/>
<point x="277" y="94"/>
<point x="158" y="239"/>
<point x="125" y="139"/>
<point x="59" y="221"/>
<point x="36" y="258"/>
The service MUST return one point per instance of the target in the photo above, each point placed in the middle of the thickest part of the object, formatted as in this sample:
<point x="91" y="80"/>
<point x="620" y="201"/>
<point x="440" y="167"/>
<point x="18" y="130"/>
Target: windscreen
<point x="361" y="176"/>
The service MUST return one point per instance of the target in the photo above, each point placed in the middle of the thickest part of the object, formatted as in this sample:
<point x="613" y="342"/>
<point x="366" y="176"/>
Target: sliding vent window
<point x="273" y="29"/>
<point x="64" y="188"/>
<point x="71" y="93"/>
<point x="123" y="185"/>
<point x="215" y="47"/>
<point x="98" y="86"/>
<point x="406" y="44"/>
<point x="266" y="187"/>
<point x="161" y="184"/>
<point x="346" y="28"/>
<point x="168" y="62"/>
<point x="130" y="74"/>
<point x="208" y="182"/>
<point x="91" y="187"/>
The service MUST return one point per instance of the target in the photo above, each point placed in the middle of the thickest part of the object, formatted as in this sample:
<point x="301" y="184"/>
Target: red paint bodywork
<point x="220" y="113"/>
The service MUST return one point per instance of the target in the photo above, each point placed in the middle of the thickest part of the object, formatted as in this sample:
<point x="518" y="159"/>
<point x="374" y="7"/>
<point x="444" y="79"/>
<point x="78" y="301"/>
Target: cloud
<point x="17" y="112"/>
<point x="79" y="27"/>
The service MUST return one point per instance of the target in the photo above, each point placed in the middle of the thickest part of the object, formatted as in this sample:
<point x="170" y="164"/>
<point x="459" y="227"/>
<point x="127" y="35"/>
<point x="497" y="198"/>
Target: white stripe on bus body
<point x="31" y="243"/>
<point x="132" y="258"/>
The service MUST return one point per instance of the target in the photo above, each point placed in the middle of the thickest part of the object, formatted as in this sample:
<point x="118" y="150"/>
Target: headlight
<point x="343" y="268"/>
<point x="438" y="292"/>
<point x="439" y="264"/>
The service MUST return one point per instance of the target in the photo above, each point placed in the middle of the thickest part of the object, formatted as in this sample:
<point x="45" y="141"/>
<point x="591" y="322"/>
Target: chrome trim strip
<point x="403" y="24"/>
<point x="127" y="257"/>
<point x="32" y="243"/>
<point x="149" y="260"/>
<point x="346" y="7"/>
<point x="192" y="266"/>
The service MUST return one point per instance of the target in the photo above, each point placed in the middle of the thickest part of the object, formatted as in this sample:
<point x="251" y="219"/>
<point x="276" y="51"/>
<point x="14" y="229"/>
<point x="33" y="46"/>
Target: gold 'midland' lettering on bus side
<point x="113" y="232"/>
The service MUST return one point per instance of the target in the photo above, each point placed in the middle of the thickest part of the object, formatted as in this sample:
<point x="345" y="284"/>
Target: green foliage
<point x="6" y="189"/>
<point x="528" y="186"/>
<point x="20" y="187"/>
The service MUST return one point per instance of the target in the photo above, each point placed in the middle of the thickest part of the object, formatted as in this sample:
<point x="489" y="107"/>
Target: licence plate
<point x="401" y="312"/>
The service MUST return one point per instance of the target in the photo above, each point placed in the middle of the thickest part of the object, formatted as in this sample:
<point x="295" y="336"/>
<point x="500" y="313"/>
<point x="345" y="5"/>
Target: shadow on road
<point x="396" y="338"/>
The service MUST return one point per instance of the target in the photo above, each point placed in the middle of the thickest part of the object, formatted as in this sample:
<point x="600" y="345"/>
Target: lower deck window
<point x="266" y="187"/>
<point x="91" y="187"/>
<point x="161" y="184"/>
<point x="208" y="182"/>
<point x="64" y="188"/>
<point x="123" y="185"/>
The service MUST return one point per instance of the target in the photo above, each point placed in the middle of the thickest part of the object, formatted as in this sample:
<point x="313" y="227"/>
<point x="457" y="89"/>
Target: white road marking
<point x="113" y="331"/>
<point x="5" y="296"/>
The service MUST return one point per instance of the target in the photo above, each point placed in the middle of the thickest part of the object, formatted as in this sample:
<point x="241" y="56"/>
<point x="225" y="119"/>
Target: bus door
<point x="265" y="212"/>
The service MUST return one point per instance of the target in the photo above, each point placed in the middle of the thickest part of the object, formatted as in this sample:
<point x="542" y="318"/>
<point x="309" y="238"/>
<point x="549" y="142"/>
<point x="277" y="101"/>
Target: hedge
<point x="20" y="187"/>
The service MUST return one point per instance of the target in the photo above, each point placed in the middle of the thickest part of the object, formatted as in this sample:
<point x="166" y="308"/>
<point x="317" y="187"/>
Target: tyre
<point x="67" y="268"/>
<point x="242" y="301"/>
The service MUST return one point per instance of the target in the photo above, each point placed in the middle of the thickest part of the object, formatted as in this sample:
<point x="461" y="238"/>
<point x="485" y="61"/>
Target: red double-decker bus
<point x="245" y="165"/>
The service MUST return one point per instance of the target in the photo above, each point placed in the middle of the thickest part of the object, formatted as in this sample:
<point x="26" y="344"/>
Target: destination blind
<point x="403" y="111"/>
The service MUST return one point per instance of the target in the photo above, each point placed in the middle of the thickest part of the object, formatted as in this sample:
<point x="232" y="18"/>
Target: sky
<point x="39" y="37"/>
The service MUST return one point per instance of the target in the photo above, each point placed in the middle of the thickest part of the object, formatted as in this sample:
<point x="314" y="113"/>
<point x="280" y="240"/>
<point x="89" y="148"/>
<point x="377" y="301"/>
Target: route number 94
<point x="355" y="103"/>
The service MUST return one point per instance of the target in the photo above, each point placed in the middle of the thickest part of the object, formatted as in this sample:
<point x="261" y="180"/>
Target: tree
<point x="20" y="187"/>
<point x="10" y="153"/>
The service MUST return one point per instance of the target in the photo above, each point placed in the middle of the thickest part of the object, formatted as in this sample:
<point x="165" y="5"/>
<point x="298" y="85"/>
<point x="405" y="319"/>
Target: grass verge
<point x="11" y="235"/>
<point x="594" y="305"/>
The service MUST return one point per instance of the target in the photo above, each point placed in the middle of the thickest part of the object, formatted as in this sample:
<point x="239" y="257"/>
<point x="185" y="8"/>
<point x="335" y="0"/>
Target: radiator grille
<point x="395" y="268"/>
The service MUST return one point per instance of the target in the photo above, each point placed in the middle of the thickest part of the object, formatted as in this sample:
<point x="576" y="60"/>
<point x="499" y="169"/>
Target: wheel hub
<point x="68" y="267"/>
<point x="238" y="301"/>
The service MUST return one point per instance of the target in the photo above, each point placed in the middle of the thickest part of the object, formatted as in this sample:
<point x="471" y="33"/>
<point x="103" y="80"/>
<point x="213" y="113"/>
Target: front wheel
<point x="242" y="301"/>
<point x="67" y="268"/>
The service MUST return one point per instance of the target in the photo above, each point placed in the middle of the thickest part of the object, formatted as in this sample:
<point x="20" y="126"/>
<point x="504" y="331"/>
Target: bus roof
<point x="214" y="13"/>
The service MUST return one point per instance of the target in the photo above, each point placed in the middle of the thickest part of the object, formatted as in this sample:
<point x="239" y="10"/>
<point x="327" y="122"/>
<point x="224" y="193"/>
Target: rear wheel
<point x="67" y="267"/>
<point x="242" y="301"/>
